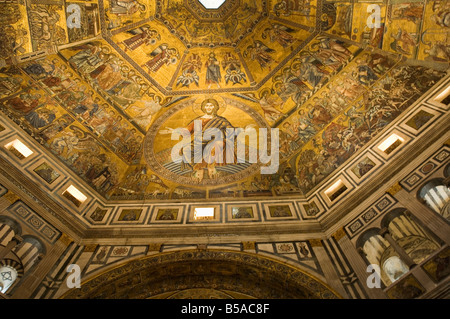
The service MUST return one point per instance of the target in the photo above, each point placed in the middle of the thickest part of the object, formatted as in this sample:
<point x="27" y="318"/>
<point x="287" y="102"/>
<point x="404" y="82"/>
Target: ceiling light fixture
<point x="75" y="195"/>
<point x="19" y="149"/>
<point x="444" y="96"/>
<point x="335" y="190"/>
<point x="391" y="143"/>
<point x="212" y="4"/>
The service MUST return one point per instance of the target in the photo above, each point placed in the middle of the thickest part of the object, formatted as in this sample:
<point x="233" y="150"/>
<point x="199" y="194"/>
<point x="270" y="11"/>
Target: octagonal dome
<point x="137" y="69"/>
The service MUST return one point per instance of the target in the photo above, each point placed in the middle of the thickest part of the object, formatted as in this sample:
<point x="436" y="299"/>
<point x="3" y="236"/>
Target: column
<point x="400" y="251"/>
<point x="31" y="281"/>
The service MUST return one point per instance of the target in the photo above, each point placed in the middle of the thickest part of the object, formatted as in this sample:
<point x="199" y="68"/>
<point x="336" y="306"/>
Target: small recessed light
<point x="203" y="213"/>
<point x="391" y="143"/>
<point x="444" y="96"/>
<point x="74" y="195"/>
<point x="335" y="190"/>
<point x="19" y="149"/>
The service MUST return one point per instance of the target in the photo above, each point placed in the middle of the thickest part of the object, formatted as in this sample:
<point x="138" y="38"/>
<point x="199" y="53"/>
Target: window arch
<point x="436" y="195"/>
<point x="378" y="251"/>
<point x="417" y="243"/>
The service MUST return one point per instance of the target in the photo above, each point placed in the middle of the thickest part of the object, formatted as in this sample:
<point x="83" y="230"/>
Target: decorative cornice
<point x="152" y="269"/>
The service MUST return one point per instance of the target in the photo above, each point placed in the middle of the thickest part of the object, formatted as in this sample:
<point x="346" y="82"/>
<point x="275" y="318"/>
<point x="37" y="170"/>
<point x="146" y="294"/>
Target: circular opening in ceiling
<point x="212" y="4"/>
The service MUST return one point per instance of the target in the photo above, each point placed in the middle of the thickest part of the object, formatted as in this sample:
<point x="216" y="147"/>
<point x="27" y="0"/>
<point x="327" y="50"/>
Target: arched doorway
<point x="203" y="274"/>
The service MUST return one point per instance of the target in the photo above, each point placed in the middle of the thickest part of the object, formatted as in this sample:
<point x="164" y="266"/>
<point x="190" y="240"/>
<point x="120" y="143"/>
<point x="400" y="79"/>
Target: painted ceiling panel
<point x="303" y="12"/>
<point x="122" y="14"/>
<point x="14" y="30"/>
<point x="89" y="20"/>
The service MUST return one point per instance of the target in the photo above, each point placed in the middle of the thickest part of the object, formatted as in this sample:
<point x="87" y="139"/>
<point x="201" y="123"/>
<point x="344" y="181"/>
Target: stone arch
<point x="217" y="272"/>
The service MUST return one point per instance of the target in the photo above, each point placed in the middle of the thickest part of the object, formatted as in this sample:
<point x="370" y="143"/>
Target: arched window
<point x="436" y="195"/>
<point x="415" y="241"/>
<point x="378" y="251"/>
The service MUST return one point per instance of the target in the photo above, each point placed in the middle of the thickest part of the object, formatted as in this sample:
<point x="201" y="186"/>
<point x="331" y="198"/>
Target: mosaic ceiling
<point x="105" y="95"/>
